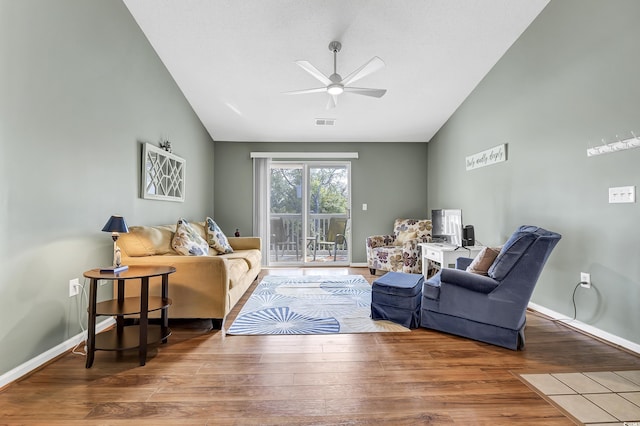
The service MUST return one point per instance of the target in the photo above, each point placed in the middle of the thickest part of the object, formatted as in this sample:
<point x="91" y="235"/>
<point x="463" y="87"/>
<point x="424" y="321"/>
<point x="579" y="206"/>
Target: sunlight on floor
<point x="306" y="271"/>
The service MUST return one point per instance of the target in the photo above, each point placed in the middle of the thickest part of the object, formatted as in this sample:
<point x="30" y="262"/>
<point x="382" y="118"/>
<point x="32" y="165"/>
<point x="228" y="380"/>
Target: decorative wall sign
<point x="163" y="174"/>
<point x="497" y="154"/>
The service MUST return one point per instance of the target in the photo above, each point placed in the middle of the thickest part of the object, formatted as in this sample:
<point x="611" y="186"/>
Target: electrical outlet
<point x="585" y="280"/>
<point x="74" y="287"/>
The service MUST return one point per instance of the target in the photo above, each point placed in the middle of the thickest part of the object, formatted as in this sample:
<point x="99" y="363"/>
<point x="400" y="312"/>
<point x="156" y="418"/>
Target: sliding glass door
<point x="328" y="214"/>
<point x="286" y="219"/>
<point x="309" y="215"/>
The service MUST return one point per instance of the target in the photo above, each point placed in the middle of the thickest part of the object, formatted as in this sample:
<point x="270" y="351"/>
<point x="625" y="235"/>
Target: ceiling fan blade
<point x="376" y="93"/>
<point x="305" y="91"/>
<point x="372" y="66"/>
<point x="333" y="101"/>
<point x="314" y="72"/>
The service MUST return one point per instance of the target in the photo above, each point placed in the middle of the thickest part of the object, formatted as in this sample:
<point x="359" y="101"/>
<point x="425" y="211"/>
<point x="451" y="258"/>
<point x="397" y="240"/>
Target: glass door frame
<point x="317" y="164"/>
<point x="306" y="242"/>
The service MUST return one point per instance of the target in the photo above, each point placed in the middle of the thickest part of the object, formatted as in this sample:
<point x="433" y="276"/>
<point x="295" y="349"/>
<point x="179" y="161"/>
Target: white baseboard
<point x="30" y="365"/>
<point x="589" y="329"/>
<point x="358" y="265"/>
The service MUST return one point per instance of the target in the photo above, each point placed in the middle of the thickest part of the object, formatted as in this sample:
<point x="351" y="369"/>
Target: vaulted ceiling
<point x="233" y="59"/>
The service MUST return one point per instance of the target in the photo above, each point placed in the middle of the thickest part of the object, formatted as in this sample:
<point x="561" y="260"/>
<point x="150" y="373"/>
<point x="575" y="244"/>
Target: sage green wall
<point x="81" y="88"/>
<point x="389" y="177"/>
<point x="568" y="82"/>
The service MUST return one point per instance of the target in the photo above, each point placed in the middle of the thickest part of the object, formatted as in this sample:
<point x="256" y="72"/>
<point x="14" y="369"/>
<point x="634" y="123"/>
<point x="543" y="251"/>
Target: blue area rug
<point x="310" y="304"/>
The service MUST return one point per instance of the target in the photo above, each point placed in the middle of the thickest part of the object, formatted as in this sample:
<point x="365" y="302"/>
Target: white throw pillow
<point x="187" y="242"/>
<point x="216" y="238"/>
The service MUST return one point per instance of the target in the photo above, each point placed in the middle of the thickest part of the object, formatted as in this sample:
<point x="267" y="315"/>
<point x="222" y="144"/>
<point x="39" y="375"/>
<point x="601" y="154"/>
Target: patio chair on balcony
<point x="336" y="235"/>
<point x="281" y="239"/>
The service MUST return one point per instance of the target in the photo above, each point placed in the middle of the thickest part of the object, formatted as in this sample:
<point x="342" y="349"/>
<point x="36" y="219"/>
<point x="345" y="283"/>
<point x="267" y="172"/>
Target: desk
<point x="131" y="336"/>
<point x="444" y="255"/>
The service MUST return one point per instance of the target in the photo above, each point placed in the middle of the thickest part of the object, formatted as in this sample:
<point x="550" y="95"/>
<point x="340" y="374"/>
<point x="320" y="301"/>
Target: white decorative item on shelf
<point x="163" y="174"/>
<point x="606" y="148"/>
<point x="166" y="145"/>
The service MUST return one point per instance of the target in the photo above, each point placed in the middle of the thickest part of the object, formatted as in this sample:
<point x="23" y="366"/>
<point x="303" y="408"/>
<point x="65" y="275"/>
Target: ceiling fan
<point x="335" y="84"/>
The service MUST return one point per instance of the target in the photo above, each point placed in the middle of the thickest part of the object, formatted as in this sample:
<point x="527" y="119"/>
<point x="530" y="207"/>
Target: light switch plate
<point x="622" y="194"/>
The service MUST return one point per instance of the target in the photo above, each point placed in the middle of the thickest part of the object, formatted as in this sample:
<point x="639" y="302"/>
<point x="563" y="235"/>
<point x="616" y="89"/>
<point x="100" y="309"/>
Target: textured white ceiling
<point x="233" y="59"/>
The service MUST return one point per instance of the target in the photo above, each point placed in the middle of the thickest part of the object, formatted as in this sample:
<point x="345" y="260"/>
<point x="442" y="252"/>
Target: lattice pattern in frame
<point x="163" y="174"/>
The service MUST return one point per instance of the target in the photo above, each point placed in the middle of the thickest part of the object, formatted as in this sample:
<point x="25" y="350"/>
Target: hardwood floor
<point x="204" y="377"/>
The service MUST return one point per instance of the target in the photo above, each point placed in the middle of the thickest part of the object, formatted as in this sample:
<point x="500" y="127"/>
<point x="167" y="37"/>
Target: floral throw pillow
<point x="405" y="236"/>
<point x="216" y="238"/>
<point x="187" y="242"/>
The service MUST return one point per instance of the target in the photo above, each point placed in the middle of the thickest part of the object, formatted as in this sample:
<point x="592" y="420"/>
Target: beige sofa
<point x="202" y="286"/>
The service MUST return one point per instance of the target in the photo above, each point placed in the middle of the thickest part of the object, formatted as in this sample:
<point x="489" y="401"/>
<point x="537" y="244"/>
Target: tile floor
<point x="592" y="398"/>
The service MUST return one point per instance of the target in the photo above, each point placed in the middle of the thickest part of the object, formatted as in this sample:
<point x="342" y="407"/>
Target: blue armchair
<point x="491" y="308"/>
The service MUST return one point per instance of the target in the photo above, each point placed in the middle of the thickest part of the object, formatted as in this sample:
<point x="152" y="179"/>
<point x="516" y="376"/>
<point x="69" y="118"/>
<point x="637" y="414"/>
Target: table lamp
<point x="116" y="225"/>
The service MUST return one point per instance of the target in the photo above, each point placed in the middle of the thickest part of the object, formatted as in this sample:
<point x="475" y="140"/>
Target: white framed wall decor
<point x="163" y="174"/>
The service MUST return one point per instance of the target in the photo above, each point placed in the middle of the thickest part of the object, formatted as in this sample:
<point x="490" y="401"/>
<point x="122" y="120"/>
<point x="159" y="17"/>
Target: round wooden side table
<point x="124" y="337"/>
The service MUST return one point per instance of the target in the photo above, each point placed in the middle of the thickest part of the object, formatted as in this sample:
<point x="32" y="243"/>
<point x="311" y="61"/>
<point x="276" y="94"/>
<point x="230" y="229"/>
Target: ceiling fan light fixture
<point x="335" y="85"/>
<point x="335" y="89"/>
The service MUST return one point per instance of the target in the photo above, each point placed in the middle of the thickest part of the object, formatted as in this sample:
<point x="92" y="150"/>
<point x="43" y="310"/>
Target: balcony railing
<point x="318" y="225"/>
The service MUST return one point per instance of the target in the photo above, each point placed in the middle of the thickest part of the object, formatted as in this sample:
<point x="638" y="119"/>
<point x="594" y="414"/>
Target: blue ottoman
<point x="396" y="297"/>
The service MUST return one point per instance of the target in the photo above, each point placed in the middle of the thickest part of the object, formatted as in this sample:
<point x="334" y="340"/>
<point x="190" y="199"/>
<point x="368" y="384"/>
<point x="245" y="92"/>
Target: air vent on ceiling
<point x="325" y="121"/>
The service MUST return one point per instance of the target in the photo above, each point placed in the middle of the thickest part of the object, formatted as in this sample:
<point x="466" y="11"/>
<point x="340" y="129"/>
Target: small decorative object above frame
<point x="163" y="174"/>
<point x="166" y="145"/>
<point x="619" y="145"/>
<point x="494" y="155"/>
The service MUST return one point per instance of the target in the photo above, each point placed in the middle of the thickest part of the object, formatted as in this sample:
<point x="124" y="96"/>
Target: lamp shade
<point x="116" y="224"/>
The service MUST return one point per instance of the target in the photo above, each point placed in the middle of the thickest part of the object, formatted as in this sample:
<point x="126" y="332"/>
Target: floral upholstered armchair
<point x="399" y="252"/>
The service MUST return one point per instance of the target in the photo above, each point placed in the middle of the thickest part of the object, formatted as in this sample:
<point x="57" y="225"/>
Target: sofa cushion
<point x="483" y="261"/>
<point x="464" y="279"/>
<point x="200" y="228"/>
<point x="147" y="240"/>
<point x="216" y="238"/>
<point x="253" y="257"/>
<point x="236" y="271"/>
<point x="512" y="251"/>
<point x="187" y="242"/>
